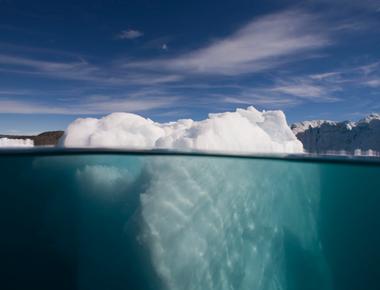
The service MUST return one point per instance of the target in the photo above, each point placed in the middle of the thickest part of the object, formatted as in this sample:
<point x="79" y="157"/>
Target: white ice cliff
<point x="242" y="131"/>
<point x="351" y="137"/>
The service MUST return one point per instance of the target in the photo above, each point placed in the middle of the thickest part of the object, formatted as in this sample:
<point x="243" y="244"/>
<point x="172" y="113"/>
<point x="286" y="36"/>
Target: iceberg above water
<point x="243" y="131"/>
<point x="6" y="142"/>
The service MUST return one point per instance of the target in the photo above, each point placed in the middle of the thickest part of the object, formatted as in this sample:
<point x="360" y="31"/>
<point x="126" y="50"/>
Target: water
<point x="112" y="220"/>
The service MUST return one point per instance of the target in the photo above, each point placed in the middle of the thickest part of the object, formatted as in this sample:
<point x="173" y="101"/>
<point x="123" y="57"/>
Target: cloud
<point x="369" y="68"/>
<point x="285" y="92"/>
<point x="351" y="26"/>
<point x="360" y="75"/>
<point x="90" y="106"/>
<point x="69" y="69"/>
<point x="261" y="44"/>
<point x="129" y="105"/>
<point x="264" y="43"/>
<point x="24" y="107"/>
<point x="300" y="90"/>
<point x="81" y="70"/>
<point x="315" y="88"/>
<point x="262" y="100"/>
<point x="325" y="76"/>
<point x="366" y="5"/>
<point x="37" y="64"/>
<point x="130" y="34"/>
<point x="13" y="92"/>
<point x="375" y="83"/>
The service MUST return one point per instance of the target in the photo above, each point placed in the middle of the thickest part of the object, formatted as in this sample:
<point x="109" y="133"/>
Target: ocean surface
<point x="112" y="220"/>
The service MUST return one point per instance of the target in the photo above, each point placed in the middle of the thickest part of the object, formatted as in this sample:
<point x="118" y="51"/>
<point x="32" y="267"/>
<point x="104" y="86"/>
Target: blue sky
<point x="165" y="60"/>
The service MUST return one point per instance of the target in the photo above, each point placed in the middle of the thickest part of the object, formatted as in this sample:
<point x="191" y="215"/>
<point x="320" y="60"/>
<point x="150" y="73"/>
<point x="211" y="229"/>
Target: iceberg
<point x="7" y="142"/>
<point x="242" y="131"/>
<point x="229" y="235"/>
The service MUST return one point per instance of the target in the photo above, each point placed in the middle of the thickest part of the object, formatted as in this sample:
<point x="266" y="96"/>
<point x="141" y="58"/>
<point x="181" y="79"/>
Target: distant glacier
<point x="321" y="136"/>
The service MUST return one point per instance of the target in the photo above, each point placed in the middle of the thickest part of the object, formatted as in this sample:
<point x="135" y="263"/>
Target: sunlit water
<point x="110" y="221"/>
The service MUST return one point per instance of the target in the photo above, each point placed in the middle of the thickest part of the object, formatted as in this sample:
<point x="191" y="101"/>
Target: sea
<point x="113" y="219"/>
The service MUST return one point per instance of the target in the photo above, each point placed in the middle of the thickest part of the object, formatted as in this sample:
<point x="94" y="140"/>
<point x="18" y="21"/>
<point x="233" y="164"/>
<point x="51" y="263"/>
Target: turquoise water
<point x="112" y="220"/>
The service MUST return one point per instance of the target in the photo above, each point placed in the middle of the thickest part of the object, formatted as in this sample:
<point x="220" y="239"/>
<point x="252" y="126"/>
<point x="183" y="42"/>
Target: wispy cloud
<point x="25" y="107"/>
<point x="375" y="83"/>
<point x="217" y="72"/>
<point x="283" y="93"/>
<point x="299" y="90"/>
<point x="325" y="76"/>
<point x="368" y="5"/>
<point x="130" y="34"/>
<point x="16" y="92"/>
<point x="261" y="44"/>
<point x="76" y="70"/>
<point x="82" y="70"/>
<point x="366" y="74"/>
<point x="306" y="89"/>
<point x="247" y="99"/>
<point x="369" y="68"/>
<point x="351" y="26"/>
<point x="89" y="106"/>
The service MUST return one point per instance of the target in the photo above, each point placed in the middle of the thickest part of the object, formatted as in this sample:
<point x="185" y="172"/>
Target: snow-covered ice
<point x="6" y="142"/>
<point x="347" y="137"/>
<point x="243" y="131"/>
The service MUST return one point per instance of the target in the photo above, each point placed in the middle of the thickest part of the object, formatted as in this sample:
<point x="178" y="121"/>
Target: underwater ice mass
<point x="204" y="233"/>
<point x="242" y="131"/>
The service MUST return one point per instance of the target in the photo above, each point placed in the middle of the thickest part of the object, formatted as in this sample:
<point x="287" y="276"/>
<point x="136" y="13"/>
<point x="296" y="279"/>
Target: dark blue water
<point x="164" y="221"/>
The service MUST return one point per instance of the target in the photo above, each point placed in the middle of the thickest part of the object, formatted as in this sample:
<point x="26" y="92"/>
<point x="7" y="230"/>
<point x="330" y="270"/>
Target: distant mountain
<point x="320" y="136"/>
<point x="44" y="139"/>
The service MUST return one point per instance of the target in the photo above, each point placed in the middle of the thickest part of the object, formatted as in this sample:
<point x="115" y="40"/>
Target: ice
<point x="243" y="131"/>
<point x="6" y="142"/>
<point x="206" y="233"/>
<point x="347" y="137"/>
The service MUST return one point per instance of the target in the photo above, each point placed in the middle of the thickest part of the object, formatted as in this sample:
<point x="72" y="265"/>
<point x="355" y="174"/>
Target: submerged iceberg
<point x="242" y="131"/>
<point x="205" y="233"/>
